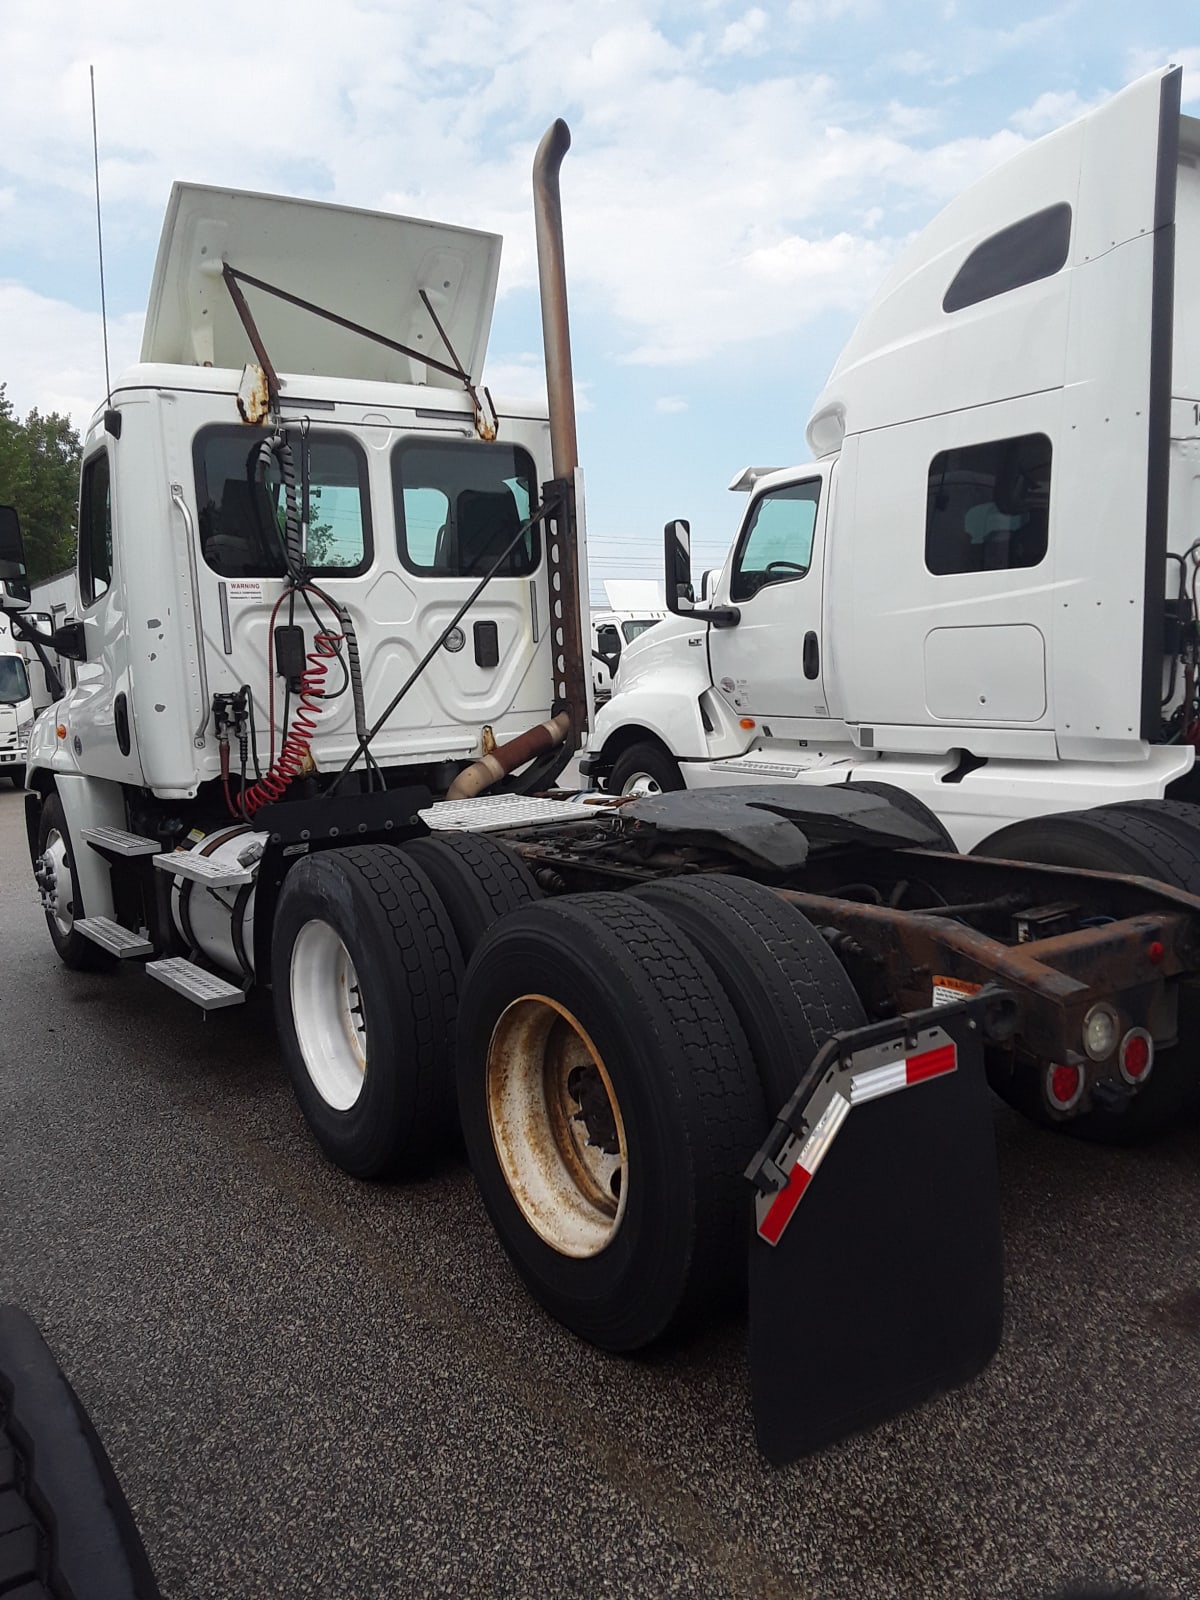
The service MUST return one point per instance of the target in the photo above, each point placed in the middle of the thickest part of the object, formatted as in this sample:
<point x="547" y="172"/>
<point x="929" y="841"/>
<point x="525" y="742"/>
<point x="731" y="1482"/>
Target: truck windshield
<point x="14" y="681"/>
<point x="631" y="629"/>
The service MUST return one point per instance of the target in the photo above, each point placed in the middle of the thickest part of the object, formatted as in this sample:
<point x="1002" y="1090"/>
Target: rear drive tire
<point x="786" y="987"/>
<point x="609" y="1106"/>
<point x="66" y="1529"/>
<point x="645" y="769"/>
<point x="57" y="857"/>
<point x="1125" y="839"/>
<point x="477" y="879"/>
<point x="365" y="969"/>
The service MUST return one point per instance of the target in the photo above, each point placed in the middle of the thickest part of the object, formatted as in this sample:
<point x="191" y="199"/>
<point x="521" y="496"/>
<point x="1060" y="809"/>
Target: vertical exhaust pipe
<point x="552" y="280"/>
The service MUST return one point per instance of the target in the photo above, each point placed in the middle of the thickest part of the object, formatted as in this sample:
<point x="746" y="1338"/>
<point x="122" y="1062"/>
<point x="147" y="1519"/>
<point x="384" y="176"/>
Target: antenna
<point x="100" y="237"/>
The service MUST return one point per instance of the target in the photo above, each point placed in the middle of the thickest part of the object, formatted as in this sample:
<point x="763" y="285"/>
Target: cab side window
<point x="777" y="544"/>
<point x="95" y="530"/>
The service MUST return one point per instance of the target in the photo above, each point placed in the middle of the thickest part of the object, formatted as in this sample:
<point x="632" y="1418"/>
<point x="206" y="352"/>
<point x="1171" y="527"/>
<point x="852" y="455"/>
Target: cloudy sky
<point x="740" y="178"/>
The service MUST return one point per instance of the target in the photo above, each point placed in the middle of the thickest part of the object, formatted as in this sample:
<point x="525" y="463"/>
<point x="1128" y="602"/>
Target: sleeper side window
<point x="95" y="529"/>
<point x="1034" y="248"/>
<point x="777" y="542"/>
<point x="988" y="506"/>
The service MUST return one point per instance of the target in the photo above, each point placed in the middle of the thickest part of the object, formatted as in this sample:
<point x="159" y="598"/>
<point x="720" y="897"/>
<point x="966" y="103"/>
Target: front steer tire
<point x="365" y="970"/>
<point x="683" y="1094"/>
<point x="645" y="769"/>
<point x="66" y="1530"/>
<point x="74" y="951"/>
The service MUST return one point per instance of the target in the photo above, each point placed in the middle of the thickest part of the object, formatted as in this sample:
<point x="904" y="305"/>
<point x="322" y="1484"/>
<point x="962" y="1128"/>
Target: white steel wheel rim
<point x="327" y="1011"/>
<point x="556" y="1127"/>
<point x="56" y="859"/>
<point x="641" y="783"/>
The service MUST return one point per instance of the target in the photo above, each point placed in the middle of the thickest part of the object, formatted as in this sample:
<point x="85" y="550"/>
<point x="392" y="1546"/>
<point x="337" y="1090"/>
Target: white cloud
<point x="744" y="35"/>
<point x="1051" y="110"/>
<point x="668" y="404"/>
<point x="54" y="353"/>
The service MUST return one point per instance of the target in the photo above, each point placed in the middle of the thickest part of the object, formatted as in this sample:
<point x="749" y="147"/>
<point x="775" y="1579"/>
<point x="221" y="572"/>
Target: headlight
<point x="24" y="729"/>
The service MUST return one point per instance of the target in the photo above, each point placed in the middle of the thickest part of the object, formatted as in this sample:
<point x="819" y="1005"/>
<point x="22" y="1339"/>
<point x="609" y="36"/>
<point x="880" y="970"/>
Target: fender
<point x="87" y="803"/>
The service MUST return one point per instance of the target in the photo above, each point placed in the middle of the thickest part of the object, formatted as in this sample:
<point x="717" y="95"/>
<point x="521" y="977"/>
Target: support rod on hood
<point x="552" y="279"/>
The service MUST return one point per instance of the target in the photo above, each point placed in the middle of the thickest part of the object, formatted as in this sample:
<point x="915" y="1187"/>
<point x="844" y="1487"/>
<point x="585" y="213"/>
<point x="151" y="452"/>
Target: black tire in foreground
<point x="73" y="949"/>
<point x="66" y="1530"/>
<point x="365" y="969"/>
<point x="644" y="769"/>
<point x="609" y="1106"/>
<point x="478" y="880"/>
<point x="1146" y="840"/>
<point x="786" y="987"/>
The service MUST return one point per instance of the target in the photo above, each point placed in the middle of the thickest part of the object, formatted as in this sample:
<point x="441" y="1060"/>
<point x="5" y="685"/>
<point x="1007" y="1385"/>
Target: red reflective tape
<point x="785" y="1202"/>
<point x="931" y="1063"/>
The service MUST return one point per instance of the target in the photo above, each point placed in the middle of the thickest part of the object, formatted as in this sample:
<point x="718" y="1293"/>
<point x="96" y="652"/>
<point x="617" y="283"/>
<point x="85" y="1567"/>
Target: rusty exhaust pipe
<point x="552" y="280"/>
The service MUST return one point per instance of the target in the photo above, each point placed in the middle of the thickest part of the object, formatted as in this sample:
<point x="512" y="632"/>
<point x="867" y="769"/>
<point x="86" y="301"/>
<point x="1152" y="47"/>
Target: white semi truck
<point x="983" y="588"/>
<point x="16" y="707"/>
<point x="329" y="660"/>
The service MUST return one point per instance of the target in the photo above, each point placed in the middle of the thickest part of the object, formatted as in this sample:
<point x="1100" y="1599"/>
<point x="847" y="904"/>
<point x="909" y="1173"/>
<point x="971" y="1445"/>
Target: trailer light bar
<point x="854" y="1083"/>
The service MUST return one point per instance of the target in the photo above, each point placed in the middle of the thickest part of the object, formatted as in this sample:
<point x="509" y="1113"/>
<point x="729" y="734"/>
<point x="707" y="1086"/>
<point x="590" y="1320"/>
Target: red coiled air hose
<point x="298" y="739"/>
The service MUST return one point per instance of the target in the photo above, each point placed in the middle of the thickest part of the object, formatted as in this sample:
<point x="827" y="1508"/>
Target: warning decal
<point x="947" y="990"/>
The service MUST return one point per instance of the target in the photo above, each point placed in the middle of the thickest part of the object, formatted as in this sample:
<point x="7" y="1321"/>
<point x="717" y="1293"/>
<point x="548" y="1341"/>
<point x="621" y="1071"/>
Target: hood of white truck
<point x="366" y="266"/>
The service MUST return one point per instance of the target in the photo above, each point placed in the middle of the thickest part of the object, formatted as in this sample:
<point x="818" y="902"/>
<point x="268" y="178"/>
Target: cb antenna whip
<point x="100" y="236"/>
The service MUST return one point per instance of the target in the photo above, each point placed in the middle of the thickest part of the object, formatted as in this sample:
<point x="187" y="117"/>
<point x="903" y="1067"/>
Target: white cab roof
<point x="367" y="266"/>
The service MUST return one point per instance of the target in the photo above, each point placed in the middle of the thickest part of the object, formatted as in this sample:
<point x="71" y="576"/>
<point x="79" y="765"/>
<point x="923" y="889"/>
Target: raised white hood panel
<point x="367" y="266"/>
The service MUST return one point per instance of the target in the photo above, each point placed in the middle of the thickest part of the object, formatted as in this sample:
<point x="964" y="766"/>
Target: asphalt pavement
<point x="313" y="1387"/>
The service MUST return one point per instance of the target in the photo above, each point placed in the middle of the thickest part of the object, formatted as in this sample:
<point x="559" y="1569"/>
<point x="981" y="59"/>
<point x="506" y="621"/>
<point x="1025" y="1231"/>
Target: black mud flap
<point x="876" y="1264"/>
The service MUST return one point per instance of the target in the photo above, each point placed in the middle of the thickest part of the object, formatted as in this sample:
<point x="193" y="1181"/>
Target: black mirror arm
<point x="719" y="616"/>
<point x="28" y="634"/>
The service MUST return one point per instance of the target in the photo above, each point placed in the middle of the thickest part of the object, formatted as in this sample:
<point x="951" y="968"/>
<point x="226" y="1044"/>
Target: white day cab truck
<point x="634" y="607"/>
<point x="329" y="660"/>
<point x="16" y="707"/>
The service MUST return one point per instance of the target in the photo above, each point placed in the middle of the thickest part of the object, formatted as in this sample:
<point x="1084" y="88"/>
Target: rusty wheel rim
<point x="556" y="1126"/>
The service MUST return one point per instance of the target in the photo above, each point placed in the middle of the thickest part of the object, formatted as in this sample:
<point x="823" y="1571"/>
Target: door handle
<point x="812" y="656"/>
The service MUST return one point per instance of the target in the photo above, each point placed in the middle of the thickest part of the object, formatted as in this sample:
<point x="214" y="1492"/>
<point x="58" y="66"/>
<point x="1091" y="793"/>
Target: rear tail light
<point x="1136" y="1056"/>
<point x="1064" y="1086"/>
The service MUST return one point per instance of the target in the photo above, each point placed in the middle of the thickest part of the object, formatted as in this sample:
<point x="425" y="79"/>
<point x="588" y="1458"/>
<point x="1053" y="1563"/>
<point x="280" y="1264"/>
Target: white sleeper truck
<point x="984" y="587"/>
<point x="329" y="659"/>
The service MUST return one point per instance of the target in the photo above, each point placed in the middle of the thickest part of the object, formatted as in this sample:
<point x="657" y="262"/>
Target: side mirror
<point x="70" y="642"/>
<point x="608" y="646"/>
<point x="681" y="599"/>
<point x="677" y="560"/>
<point x="14" y="578"/>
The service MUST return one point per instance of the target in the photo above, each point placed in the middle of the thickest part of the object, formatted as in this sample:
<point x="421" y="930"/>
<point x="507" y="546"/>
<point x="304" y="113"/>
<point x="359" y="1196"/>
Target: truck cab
<point x="16" y="708"/>
<point x="980" y="588"/>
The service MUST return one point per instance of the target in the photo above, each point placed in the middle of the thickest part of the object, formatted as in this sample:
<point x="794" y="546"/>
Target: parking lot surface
<point x="310" y="1386"/>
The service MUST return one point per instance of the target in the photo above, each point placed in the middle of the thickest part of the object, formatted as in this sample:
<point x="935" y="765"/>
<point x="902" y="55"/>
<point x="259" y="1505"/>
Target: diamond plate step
<point x="489" y="812"/>
<point x="114" y="938"/>
<point x="203" y="988"/>
<point x="203" y="869"/>
<point x="120" y="842"/>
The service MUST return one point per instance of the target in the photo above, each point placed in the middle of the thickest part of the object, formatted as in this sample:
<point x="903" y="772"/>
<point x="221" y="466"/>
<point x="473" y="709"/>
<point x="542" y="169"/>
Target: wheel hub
<point x="556" y="1126"/>
<point x="329" y="1014"/>
<point x="56" y="887"/>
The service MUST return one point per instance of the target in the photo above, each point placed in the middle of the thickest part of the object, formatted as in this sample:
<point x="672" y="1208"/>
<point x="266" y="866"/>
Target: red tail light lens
<point x="1064" y="1086"/>
<point x="1136" y="1056"/>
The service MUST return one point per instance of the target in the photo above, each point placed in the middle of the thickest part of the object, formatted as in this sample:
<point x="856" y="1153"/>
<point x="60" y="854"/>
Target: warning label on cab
<point x="947" y="990"/>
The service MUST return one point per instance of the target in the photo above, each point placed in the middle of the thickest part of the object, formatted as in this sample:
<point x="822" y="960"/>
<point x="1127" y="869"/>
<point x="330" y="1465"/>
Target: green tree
<point x="39" y="474"/>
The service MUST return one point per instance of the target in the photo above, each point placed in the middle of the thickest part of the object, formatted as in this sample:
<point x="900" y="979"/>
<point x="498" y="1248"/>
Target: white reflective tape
<point x="814" y="1148"/>
<point x="879" y="1080"/>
